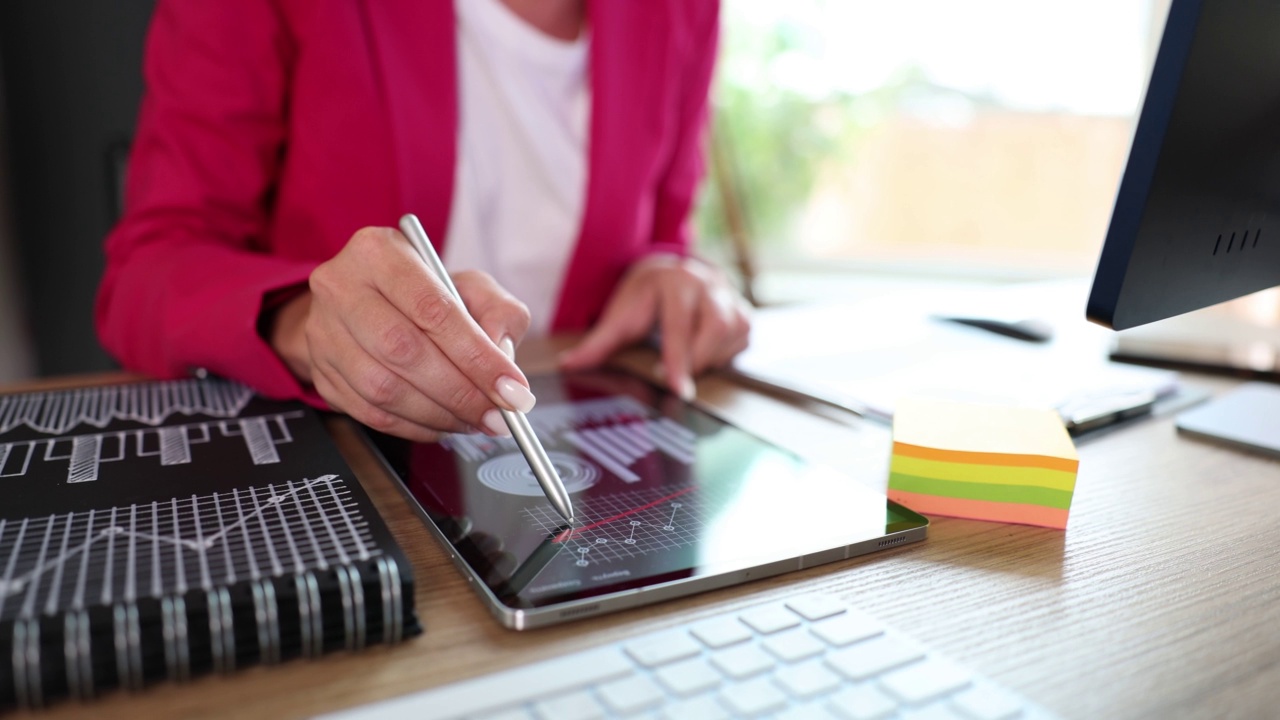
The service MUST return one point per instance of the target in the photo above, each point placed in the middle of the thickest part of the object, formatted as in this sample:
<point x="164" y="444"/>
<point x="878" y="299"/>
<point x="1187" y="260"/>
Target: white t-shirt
<point x="520" y="180"/>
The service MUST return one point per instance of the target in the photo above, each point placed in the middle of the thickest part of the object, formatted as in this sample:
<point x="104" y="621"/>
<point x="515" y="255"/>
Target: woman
<point x="550" y="145"/>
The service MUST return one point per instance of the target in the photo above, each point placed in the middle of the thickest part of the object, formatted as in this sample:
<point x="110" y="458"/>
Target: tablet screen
<point x="662" y="492"/>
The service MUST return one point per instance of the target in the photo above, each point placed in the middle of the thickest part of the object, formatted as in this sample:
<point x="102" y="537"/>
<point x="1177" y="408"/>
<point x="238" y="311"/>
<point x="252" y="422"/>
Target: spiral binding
<point x="222" y="636"/>
<point x="177" y="644"/>
<point x="79" y="659"/>
<point x="27" y="684"/>
<point x="128" y="645"/>
<point x="310" y="615"/>
<point x="392" y="604"/>
<point x="267" y="615"/>
<point x="186" y="621"/>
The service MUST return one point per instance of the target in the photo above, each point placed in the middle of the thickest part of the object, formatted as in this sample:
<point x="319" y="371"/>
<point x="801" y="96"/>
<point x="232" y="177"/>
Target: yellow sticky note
<point x="983" y="462"/>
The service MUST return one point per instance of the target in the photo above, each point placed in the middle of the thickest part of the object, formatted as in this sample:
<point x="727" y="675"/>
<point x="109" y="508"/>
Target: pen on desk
<point x="1092" y="413"/>
<point x="543" y="469"/>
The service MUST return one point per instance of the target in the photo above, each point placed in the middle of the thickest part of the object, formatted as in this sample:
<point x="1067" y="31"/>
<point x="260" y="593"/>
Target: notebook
<point x="165" y="530"/>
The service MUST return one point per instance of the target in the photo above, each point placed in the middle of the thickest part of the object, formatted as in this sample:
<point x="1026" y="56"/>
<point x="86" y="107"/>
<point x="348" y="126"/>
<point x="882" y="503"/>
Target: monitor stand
<point x="1248" y="417"/>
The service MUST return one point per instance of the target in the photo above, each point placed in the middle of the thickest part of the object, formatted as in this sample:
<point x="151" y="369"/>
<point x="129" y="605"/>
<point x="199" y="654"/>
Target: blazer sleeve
<point x="682" y="177"/>
<point x="186" y="274"/>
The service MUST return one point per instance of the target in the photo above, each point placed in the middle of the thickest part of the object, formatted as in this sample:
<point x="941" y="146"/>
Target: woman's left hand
<point x="703" y="321"/>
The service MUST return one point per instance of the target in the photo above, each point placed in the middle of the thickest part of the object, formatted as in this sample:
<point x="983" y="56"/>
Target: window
<point x="979" y="138"/>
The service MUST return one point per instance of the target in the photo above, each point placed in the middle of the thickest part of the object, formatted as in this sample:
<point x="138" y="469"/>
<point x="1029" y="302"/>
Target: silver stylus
<point x="521" y="430"/>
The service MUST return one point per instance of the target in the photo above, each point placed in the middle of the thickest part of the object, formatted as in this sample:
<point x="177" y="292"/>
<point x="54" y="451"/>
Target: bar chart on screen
<point x="605" y="434"/>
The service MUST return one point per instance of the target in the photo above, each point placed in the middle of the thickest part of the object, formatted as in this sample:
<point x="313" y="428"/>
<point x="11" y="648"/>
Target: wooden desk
<point x="1162" y="599"/>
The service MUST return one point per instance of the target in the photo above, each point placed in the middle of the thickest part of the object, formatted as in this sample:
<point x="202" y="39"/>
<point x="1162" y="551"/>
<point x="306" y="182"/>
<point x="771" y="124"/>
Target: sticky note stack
<point x="983" y="462"/>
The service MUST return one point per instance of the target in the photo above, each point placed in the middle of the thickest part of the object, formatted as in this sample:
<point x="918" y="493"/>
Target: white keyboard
<point x="806" y="657"/>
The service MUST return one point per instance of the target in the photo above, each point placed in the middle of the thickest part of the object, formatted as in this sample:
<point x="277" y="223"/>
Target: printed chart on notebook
<point x="134" y="491"/>
<point x="163" y="530"/>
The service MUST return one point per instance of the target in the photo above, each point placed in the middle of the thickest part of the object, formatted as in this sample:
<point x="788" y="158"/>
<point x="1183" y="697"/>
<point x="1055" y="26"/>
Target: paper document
<point x="865" y="356"/>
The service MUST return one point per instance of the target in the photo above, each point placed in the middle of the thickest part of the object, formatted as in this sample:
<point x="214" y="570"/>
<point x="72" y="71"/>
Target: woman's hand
<point x="702" y="319"/>
<point x="383" y="340"/>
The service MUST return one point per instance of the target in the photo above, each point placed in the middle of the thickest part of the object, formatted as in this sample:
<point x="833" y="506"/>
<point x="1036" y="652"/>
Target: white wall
<point x="16" y="362"/>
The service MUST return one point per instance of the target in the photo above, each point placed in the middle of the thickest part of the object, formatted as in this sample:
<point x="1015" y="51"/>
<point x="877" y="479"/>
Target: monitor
<point x="1197" y="215"/>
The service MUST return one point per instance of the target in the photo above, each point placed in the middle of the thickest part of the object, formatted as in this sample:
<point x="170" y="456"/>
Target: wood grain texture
<point x="1161" y="599"/>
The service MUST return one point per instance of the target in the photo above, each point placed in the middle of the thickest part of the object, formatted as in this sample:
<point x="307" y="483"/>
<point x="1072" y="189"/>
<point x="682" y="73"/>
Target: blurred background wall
<point x="15" y="344"/>
<point x="70" y="72"/>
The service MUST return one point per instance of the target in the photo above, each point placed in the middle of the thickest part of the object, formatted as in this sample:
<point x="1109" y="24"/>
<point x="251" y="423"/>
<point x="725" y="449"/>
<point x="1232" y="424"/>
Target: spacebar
<point x="493" y="692"/>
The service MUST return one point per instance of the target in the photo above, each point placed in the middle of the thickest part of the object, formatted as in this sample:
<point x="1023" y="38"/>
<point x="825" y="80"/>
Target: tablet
<point x="669" y="500"/>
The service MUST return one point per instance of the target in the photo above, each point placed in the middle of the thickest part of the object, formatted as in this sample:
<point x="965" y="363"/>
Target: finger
<point x="679" y="303"/>
<point x="342" y="398"/>
<point x="723" y="329"/>
<point x="730" y="351"/>
<point x="394" y="366"/>
<point x="497" y="311"/>
<point x="740" y="336"/>
<point x="709" y="331"/>
<point x="408" y="284"/>
<point x="628" y="318"/>
<point x="375" y="386"/>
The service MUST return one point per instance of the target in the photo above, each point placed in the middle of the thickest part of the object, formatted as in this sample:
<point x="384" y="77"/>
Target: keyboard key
<point x="986" y="703"/>
<point x="793" y="645"/>
<point x="807" y="680"/>
<point x="573" y="706"/>
<point x="874" y="656"/>
<point x="847" y="629"/>
<point x="742" y="661"/>
<point x="631" y="695"/>
<point x="770" y="619"/>
<point x="754" y="697"/>
<point x="807" y="658"/>
<point x="512" y="714"/>
<point x="812" y="711"/>
<point x="688" y="678"/>
<point x="663" y="649"/>
<point x="699" y="708"/>
<point x="862" y="702"/>
<point x="815" y="607"/>
<point x="941" y="711"/>
<point x="926" y="681"/>
<point x="721" y="632"/>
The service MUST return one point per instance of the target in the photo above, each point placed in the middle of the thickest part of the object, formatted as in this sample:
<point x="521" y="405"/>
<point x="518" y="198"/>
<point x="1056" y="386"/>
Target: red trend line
<point x="566" y="534"/>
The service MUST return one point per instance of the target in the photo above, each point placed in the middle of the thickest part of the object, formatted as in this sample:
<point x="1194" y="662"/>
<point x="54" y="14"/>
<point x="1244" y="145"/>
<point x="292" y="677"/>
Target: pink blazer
<point x="272" y="130"/>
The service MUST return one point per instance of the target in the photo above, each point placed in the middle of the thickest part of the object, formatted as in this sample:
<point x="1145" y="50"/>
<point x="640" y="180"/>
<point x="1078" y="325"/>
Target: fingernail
<point x="508" y="347"/>
<point x="494" y="423"/>
<point x="516" y="395"/>
<point x="686" y="388"/>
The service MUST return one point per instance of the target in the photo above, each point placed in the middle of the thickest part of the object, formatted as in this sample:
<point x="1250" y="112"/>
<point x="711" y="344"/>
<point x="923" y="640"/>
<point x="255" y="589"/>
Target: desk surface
<point x="1162" y="599"/>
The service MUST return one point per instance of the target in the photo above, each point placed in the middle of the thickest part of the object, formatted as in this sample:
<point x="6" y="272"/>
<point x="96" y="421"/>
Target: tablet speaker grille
<point x="580" y="611"/>
<point x="892" y="541"/>
<point x="1227" y="243"/>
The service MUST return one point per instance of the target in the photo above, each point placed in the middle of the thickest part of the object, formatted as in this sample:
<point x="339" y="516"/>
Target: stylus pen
<point x="543" y="470"/>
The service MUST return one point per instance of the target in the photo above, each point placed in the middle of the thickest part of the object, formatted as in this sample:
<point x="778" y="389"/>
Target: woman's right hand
<point x="383" y="340"/>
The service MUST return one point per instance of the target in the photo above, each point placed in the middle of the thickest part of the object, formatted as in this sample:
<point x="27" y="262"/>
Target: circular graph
<point x="510" y="474"/>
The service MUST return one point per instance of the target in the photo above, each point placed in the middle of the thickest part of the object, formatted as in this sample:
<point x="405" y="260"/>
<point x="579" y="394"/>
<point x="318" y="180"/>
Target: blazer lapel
<point x="415" y="49"/>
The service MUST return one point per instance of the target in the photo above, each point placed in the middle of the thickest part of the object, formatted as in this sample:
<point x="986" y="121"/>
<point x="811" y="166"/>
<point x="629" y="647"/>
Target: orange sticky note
<point x="983" y="462"/>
